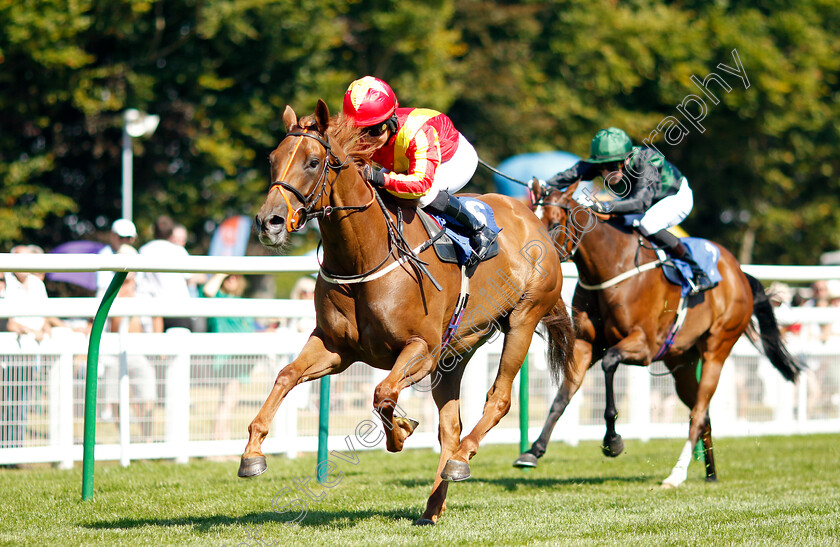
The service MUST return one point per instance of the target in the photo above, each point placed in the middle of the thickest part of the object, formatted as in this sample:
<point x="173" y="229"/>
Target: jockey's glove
<point x="601" y="207"/>
<point x="374" y="176"/>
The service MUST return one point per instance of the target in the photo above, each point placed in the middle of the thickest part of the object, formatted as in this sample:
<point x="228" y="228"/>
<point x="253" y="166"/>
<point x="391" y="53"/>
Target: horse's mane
<point x="347" y="136"/>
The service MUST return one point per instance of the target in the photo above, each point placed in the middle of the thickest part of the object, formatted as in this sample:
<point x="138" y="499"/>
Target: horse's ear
<point x="289" y="118"/>
<point x="322" y="116"/>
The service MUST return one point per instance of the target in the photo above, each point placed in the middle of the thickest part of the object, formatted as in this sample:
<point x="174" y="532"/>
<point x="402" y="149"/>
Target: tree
<point x="515" y="77"/>
<point x="548" y="75"/>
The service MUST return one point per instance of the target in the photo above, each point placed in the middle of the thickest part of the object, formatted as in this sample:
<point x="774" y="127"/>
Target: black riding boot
<point x="678" y="250"/>
<point x="481" y="237"/>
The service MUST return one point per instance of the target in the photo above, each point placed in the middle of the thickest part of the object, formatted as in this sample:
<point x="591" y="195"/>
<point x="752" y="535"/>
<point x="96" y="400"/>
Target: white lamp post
<point x="137" y="124"/>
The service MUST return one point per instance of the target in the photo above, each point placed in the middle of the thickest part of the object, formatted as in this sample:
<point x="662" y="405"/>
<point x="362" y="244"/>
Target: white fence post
<point x="638" y="390"/>
<point x="723" y="408"/>
<point x="474" y="386"/>
<point x="124" y="406"/>
<point x="65" y="408"/>
<point x="802" y="401"/>
<point x="285" y="422"/>
<point x="178" y="401"/>
<point x="54" y="408"/>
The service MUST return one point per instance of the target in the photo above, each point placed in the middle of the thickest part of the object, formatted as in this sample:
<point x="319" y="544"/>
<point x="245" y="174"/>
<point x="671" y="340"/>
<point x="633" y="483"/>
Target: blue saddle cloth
<point x="704" y="253"/>
<point x="463" y="249"/>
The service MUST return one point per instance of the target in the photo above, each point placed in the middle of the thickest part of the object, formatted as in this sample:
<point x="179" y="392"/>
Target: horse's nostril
<point x="276" y="220"/>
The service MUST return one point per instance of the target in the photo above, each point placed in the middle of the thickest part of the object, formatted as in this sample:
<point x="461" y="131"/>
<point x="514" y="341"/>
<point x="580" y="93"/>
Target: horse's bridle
<point x="567" y="232"/>
<point x="297" y="220"/>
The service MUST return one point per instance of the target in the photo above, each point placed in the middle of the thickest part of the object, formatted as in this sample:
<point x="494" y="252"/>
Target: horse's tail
<point x="770" y="335"/>
<point x="561" y="341"/>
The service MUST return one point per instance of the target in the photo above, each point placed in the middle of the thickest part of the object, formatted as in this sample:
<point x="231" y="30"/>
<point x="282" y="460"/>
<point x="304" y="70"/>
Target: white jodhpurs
<point x="454" y="174"/>
<point x="668" y="212"/>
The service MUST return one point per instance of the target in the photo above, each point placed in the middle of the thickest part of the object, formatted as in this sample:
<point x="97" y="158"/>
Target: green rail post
<point x="323" y="428"/>
<point x="523" y="406"/>
<point x="90" y="382"/>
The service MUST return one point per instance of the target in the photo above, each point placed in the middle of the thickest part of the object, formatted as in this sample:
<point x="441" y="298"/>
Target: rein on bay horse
<point x="375" y="304"/>
<point x="624" y="311"/>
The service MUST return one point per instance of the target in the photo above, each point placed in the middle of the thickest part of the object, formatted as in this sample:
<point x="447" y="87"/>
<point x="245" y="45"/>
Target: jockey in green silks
<point x="644" y="183"/>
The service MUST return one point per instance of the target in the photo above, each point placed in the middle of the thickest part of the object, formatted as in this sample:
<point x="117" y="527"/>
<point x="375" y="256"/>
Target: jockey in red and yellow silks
<point x="425" y="139"/>
<point x="422" y="154"/>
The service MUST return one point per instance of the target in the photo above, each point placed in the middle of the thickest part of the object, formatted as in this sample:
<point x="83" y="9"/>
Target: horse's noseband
<point x="299" y="217"/>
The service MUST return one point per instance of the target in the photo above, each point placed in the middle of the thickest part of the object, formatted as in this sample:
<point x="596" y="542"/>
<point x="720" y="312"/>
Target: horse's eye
<point x="313" y="163"/>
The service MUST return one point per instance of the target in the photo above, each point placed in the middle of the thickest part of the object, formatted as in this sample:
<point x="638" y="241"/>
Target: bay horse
<point x="376" y="304"/>
<point x="627" y="319"/>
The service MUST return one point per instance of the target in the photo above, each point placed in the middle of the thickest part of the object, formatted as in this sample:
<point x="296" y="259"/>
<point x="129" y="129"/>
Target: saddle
<point x="677" y="271"/>
<point x="704" y="253"/>
<point x="449" y="245"/>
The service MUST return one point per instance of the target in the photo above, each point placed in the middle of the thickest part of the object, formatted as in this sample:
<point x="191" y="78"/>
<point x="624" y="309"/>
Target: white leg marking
<point x="680" y="471"/>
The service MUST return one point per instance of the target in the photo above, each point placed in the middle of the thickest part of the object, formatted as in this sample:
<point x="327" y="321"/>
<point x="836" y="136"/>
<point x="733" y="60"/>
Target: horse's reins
<point x="490" y="167"/>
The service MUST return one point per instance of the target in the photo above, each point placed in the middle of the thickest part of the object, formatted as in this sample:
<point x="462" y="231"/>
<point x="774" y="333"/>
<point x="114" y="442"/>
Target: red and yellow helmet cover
<point x="369" y="101"/>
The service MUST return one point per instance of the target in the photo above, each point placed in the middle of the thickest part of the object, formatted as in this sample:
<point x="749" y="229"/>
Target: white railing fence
<point x="180" y="395"/>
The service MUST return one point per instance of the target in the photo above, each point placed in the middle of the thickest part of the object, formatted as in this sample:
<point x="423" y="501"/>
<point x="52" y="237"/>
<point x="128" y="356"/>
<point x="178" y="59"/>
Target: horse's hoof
<point x="424" y="522"/>
<point x="668" y="486"/>
<point x="455" y="471"/>
<point x="711" y="478"/>
<point x="526" y="459"/>
<point x="612" y="447"/>
<point x="414" y="423"/>
<point x="251" y="467"/>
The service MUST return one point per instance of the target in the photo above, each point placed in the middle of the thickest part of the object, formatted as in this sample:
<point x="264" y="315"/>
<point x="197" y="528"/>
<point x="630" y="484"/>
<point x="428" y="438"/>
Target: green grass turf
<point x="772" y="491"/>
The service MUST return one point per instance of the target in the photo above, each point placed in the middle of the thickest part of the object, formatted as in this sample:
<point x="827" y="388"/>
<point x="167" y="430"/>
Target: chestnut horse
<point x="628" y="322"/>
<point x="376" y="304"/>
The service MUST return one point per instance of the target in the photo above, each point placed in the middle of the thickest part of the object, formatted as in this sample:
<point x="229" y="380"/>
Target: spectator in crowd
<point x="798" y="299"/>
<point x="228" y="367"/>
<point x="34" y="250"/>
<point x="141" y="373"/>
<point x="781" y="297"/>
<point x="819" y="294"/>
<point x="17" y="378"/>
<point x="179" y="237"/>
<point x="27" y="287"/>
<point x="824" y="293"/>
<point x="37" y="250"/>
<point x="822" y="378"/>
<point x="173" y="287"/>
<point x="304" y="289"/>
<point x="123" y="232"/>
<point x="833" y="293"/>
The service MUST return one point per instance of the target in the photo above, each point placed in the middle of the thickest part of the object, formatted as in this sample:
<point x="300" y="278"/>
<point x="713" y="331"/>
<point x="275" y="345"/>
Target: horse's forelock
<point x="308" y="123"/>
